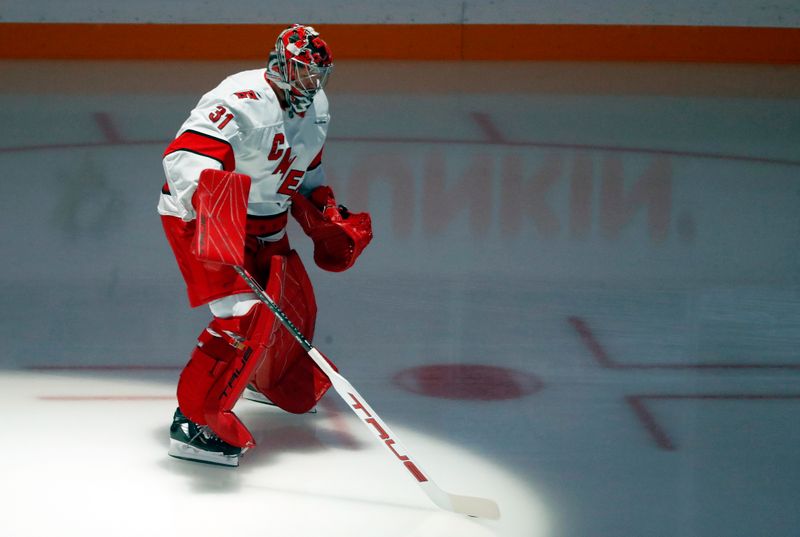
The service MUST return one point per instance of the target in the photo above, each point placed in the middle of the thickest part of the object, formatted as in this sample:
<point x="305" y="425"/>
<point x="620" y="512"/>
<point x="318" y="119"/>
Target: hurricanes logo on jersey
<point x="290" y="179"/>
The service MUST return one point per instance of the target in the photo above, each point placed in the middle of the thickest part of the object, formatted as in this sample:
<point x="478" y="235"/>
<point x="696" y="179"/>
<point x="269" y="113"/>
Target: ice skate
<point x="251" y="394"/>
<point x="198" y="443"/>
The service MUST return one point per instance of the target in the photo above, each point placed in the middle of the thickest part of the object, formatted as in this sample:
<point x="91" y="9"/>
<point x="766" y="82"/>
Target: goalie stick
<point x="467" y="505"/>
<point x="221" y="204"/>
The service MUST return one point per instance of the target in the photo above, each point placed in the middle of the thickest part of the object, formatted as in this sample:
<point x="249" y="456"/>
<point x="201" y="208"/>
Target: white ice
<point x="581" y="301"/>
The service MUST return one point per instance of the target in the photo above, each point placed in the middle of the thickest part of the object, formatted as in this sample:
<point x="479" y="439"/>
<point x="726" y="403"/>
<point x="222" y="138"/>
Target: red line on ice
<point x="605" y="361"/>
<point x="106" y="397"/>
<point x="341" y="429"/>
<point x="490" y="130"/>
<point x="649" y="422"/>
<point x="107" y="127"/>
<point x="103" y="367"/>
<point x="430" y="141"/>
<point x="659" y="434"/>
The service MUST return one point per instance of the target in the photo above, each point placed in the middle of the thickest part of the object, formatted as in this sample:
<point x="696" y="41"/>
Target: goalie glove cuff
<point x="339" y="236"/>
<point x="322" y="197"/>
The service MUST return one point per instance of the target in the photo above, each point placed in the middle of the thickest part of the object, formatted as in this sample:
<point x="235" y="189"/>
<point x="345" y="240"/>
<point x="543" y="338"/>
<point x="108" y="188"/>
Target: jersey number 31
<point x="217" y="114"/>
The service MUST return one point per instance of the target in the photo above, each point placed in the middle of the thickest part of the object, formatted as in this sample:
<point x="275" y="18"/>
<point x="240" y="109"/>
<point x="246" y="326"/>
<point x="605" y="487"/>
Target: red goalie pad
<point x="339" y="236"/>
<point x="221" y="205"/>
<point x="226" y="356"/>
<point x="287" y="376"/>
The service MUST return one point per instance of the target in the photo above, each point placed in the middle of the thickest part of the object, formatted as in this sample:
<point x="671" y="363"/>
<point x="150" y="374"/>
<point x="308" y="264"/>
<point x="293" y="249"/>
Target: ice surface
<point x="581" y="301"/>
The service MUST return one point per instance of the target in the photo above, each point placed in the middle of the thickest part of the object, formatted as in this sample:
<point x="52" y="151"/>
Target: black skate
<point x="194" y="442"/>
<point x="251" y="394"/>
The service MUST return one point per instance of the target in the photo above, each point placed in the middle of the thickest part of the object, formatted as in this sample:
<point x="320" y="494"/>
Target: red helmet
<point x="305" y="61"/>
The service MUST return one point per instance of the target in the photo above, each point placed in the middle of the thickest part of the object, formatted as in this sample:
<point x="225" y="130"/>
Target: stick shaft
<point x="461" y="504"/>
<point x="264" y="297"/>
<point x="342" y="386"/>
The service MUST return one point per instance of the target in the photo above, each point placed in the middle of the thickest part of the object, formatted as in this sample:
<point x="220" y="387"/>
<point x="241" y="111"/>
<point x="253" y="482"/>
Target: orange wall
<point x="407" y="41"/>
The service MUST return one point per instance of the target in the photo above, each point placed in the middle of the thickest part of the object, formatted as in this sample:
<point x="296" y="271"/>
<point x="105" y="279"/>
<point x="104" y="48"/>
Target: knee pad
<point x="227" y="354"/>
<point x="287" y="376"/>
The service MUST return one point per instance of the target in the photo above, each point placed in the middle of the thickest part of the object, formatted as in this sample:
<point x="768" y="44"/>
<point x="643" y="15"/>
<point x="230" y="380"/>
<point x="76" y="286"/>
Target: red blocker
<point x="221" y="205"/>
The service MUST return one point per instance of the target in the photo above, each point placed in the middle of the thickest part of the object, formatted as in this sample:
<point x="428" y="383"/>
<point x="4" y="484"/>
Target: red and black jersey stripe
<point x="316" y="162"/>
<point x="205" y="145"/>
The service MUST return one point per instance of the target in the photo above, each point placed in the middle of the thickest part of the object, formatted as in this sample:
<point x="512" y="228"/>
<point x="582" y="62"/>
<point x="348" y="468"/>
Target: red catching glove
<point x="339" y="236"/>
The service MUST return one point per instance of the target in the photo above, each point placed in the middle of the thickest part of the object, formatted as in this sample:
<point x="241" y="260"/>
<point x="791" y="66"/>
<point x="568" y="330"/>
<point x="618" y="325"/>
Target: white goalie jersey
<point x="240" y="126"/>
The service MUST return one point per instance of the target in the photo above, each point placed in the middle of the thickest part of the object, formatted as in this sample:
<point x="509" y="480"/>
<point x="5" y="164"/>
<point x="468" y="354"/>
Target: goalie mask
<point x="300" y="65"/>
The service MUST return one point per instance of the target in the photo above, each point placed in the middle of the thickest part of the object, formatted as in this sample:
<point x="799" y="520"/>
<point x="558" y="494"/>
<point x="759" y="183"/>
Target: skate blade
<point x="179" y="450"/>
<point x="258" y="397"/>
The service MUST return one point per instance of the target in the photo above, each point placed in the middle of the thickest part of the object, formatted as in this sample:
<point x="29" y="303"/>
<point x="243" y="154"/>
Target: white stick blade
<point x="473" y="506"/>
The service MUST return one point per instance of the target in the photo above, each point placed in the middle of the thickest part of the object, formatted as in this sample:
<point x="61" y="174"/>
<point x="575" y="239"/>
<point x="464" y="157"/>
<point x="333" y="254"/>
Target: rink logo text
<point x="386" y="437"/>
<point x="555" y="194"/>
